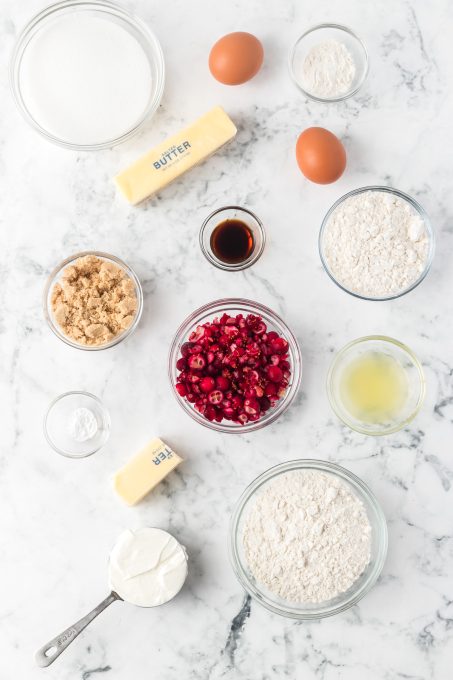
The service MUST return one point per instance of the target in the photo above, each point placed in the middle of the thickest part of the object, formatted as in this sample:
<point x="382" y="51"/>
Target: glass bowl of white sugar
<point x="308" y="539"/>
<point x="328" y="63"/>
<point x="376" y="243"/>
<point x="87" y="75"/>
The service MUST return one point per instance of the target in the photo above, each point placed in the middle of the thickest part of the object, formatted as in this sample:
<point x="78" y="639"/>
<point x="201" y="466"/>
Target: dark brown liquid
<point x="232" y="241"/>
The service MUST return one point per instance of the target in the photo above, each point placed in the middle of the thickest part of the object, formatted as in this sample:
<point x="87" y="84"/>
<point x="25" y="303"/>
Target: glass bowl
<point x="413" y="372"/>
<point x="322" y="33"/>
<point x="235" y="306"/>
<point x="342" y="601"/>
<point x="54" y="278"/>
<point x="118" y="15"/>
<point x="232" y="212"/>
<point x="57" y="424"/>
<point x="415" y="206"/>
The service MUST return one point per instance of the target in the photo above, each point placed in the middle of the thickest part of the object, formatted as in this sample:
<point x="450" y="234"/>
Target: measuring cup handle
<point x="47" y="654"/>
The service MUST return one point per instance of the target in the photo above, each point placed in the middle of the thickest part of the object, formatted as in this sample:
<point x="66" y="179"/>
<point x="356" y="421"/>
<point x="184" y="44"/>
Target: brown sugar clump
<point x="94" y="301"/>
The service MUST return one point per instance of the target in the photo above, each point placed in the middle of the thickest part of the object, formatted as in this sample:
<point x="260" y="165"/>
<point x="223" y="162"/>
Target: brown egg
<point x="320" y="155"/>
<point x="236" y="58"/>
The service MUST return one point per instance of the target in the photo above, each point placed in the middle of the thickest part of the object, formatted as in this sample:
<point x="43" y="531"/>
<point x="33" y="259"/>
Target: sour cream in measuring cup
<point x="147" y="567"/>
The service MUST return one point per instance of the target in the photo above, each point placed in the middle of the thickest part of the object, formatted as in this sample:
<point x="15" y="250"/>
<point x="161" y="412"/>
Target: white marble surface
<point x="59" y="518"/>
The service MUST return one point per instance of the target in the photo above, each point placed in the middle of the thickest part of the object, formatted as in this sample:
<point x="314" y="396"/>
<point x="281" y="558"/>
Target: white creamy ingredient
<point x="328" y="70"/>
<point x="85" y="79"/>
<point x="307" y="537"/>
<point x="375" y="244"/>
<point x="82" y="425"/>
<point x="147" y="567"/>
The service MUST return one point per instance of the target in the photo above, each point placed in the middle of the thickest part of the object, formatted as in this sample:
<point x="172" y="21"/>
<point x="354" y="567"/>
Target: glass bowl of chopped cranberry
<point x="234" y="365"/>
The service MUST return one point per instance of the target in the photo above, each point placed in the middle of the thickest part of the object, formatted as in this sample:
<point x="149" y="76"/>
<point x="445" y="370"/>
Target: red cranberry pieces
<point x="234" y="369"/>
<point x="207" y="384"/>
<point x="215" y="397"/>
<point x="275" y="374"/>
<point x="197" y="362"/>
<point x="222" y="383"/>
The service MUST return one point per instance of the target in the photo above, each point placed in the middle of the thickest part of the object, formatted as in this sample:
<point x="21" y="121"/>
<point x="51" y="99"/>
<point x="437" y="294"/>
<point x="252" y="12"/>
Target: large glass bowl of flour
<point x="376" y="243"/>
<point x="371" y="514"/>
<point x="87" y="75"/>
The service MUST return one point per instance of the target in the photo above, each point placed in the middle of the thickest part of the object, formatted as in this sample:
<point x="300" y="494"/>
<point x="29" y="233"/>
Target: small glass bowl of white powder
<point x="77" y="424"/>
<point x="308" y="539"/>
<point x="328" y="63"/>
<point x="376" y="243"/>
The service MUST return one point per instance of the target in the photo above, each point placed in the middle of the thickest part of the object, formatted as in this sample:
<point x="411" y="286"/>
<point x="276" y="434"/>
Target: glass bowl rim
<point x="345" y="29"/>
<point x="386" y="340"/>
<point x="51" y="280"/>
<point x="419" y="210"/>
<point x="366" y="496"/>
<point x="242" y="265"/>
<point x="105" y="413"/>
<point x="106" y="6"/>
<point x="283" y="403"/>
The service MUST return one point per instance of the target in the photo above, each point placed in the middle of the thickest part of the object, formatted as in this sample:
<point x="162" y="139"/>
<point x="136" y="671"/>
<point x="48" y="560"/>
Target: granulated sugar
<point x="375" y="244"/>
<point x="307" y="537"/>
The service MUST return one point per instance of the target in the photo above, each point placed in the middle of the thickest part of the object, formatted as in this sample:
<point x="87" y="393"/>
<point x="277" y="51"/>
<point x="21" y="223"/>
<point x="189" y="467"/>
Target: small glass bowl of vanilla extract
<point x="232" y="238"/>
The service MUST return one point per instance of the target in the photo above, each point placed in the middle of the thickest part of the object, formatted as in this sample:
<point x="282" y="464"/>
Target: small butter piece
<point x="145" y="471"/>
<point x="176" y="155"/>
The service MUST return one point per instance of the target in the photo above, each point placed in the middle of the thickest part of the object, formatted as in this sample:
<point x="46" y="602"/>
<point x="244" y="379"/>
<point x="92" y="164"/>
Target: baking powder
<point x="375" y="244"/>
<point x="328" y="70"/>
<point x="307" y="537"/>
<point x="82" y="425"/>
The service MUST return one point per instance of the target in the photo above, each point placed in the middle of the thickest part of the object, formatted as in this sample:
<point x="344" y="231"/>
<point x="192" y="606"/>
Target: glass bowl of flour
<point x="328" y="63"/>
<point x="308" y="539"/>
<point x="376" y="243"/>
<point x="87" y="75"/>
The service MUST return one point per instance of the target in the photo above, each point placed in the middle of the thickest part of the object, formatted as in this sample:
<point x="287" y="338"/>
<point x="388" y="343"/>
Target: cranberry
<point x="222" y="383"/>
<point x="207" y="384"/>
<point x="181" y="364"/>
<point x="197" y="334"/>
<point x="237" y="402"/>
<point x="185" y="349"/>
<point x="210" y="412"/>
<point x="251" y="406"/>
<point x="197" y="362"/>
<point x="279" y="345"/>
<point x="229" y="413"/>
<point x="265" y="404"/>
<point x="181" y="389"/>
<point x="270" y="389"/>
<point x="215" y="397"/>
<point x="275" y="374"/>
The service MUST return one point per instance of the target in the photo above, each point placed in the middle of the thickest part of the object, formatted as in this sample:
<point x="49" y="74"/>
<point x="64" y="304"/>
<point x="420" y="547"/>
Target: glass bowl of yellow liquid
<point x="376" y="385"/>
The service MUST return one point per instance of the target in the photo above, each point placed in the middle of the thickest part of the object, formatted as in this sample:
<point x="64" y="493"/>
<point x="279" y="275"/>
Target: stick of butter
<point x="176" y="155"/>
<point x="145" y="471"/>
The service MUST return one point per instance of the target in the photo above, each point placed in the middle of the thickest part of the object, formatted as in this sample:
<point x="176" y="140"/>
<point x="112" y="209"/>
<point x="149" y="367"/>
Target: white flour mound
<point x="375" y="244"/>
<point x="328" y="70"/>
<point x="307" y="537"/>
